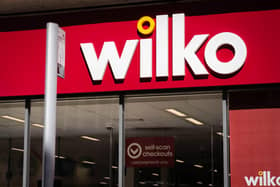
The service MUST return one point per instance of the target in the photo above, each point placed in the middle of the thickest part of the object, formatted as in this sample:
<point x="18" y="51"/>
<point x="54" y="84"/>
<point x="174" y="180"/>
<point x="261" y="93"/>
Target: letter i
<point x="261" y="180"/>
<point x="264" y="178"/>
<point x="146" y="58"/>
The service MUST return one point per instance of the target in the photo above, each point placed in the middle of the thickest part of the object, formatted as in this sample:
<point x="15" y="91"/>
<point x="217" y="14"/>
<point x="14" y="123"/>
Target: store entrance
<point x="174" y="140"/>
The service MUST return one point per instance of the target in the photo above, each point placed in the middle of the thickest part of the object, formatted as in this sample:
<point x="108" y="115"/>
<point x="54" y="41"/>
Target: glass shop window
<point x="174" y="140"/>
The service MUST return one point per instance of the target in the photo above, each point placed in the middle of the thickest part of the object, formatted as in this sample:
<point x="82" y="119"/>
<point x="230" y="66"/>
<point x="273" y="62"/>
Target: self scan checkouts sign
<point x="150" y="152"/>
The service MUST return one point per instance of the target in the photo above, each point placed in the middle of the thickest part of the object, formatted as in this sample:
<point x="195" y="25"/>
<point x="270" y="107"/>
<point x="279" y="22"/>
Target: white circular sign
<point x="134" y="150"/>
<point x="240" y="53"/>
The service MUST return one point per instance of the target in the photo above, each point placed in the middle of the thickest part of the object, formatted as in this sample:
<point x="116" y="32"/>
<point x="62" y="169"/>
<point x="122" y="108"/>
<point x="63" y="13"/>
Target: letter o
<point x="232" y="66"/>
<point x="143" y="20"/>
<point x="278" y="181"/>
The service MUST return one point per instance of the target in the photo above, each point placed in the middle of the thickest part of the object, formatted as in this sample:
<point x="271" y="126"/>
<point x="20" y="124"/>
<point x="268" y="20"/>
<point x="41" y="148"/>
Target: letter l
<point x="180" y="53"/>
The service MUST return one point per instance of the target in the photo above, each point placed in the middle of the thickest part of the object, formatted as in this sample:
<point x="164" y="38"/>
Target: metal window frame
<point x="226" y="151"/>
<point x="121" y="165"/>
<point x="26" y="153"/>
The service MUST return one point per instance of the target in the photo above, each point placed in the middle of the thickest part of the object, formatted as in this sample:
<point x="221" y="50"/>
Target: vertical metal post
<point x="225" y="140"/>
<point x="212" y="156"/>
<point x="9" y="172"/>
<point x="26" y="154"/>
<point x="50" y="106"/>
<point x="58" y="163"/>
<point x="121" y="143"/>
<point x="110" y="129"/>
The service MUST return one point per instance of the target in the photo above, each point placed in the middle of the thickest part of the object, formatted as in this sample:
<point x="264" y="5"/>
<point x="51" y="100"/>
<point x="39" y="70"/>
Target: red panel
<point x="22" y="55"/>
<point x="254" y="136"/>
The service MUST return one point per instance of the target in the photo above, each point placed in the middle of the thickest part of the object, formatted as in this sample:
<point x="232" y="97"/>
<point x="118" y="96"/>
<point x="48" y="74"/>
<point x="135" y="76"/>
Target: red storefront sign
<point x="22" y="55"/>
<point x="254" y="153"/>
<point x="150" y="152"/>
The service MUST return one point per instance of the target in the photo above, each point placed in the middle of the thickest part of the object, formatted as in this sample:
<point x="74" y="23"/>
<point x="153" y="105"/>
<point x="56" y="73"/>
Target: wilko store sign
<point x="173" y="51"/>
<point x="264" y="178"/>
<point x="254" y="138"/>
<point x="150" y="152"/>
<point x="181" y="54"/>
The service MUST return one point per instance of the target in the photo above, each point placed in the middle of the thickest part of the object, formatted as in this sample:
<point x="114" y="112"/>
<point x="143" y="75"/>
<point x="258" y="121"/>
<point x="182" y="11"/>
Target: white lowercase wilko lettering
<point x="181" y="53"/>
<point x="264" y="178"/>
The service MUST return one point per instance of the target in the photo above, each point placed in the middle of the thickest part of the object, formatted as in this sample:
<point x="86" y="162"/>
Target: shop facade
<point x="193" y="97"/>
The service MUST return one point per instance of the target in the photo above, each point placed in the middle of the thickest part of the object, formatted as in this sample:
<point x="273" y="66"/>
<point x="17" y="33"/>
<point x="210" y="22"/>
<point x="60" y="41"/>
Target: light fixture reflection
<point x="38" y="125"/>
<point x="194" y="121"/>
<point x="13" y="118"/>
<point x="114" y="167"/>
<point x="21" y="121"/>
<point x="91" y="138"/>
<point x="17" y="149"/>
<point x="175" y="112"/>
<point x="88" y="162"/>
<point x="60" y="157"/>
<point x="198" y="166"/>
<point x="180" y="161"/>
<point x="220" y="133"/>
<point x="155" y="174"/>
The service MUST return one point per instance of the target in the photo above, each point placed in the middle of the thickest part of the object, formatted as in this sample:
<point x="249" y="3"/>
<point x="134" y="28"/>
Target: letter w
<point x="251" y="180"/>
<point x="109" y="53"/>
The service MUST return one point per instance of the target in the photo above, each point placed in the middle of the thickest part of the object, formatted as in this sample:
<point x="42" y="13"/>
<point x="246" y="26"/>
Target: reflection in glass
<point x="86" y="144"/>
<point x="193" y="122"/>
<point x="11" y="143"/>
